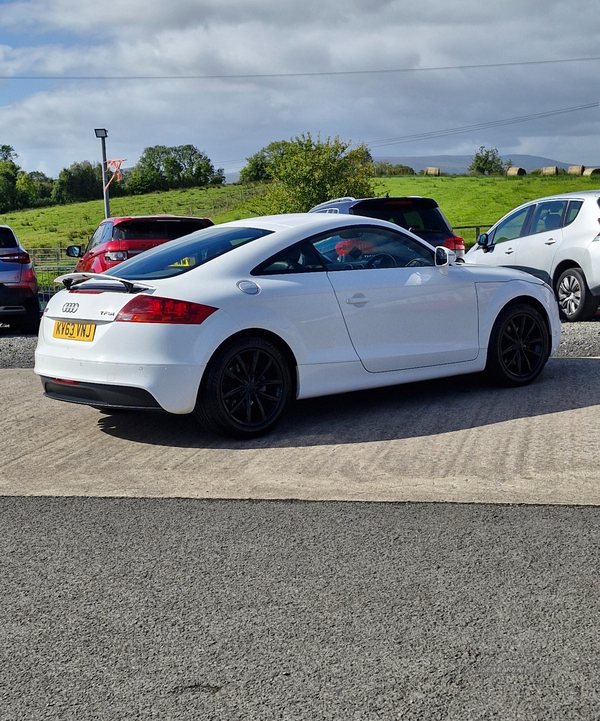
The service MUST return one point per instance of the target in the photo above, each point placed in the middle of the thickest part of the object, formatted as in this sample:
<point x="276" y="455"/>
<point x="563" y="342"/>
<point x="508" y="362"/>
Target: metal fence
<point x="48" y="264"/>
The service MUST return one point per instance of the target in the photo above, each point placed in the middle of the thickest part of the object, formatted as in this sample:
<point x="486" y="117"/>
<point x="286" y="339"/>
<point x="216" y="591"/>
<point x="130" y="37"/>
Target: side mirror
<point x="483" y="240"/>
<point x="443" y="258"/>
<point x="74" y="251"/>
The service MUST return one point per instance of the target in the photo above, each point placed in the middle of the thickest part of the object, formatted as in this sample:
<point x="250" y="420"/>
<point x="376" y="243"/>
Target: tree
<point x="78" y="182"/>
<point x="384" y="167"/>
<point x="260" y="166"/>
<point x="7" y="153"/>
<point x="9" y="172"/>
<point x="307" y="172"/>
<point x="43" y="182"/>
<point x="486" y="162"/>
<point x="164" y="168"/>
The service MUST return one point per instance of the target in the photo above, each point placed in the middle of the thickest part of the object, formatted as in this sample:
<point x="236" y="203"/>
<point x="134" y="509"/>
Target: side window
<point x="547" y="216"/>
<point x="513" y="227"/>
<point x="297" y="259"/>
<point x="369" y="247"/>
<point x="96" y="237"/>
<point x="573" y="211"/>
<point x="106" y="233"/>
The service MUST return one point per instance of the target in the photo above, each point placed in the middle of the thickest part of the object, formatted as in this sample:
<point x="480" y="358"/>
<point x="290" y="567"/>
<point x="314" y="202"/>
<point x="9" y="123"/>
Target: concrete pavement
<point x="456" y="440"/>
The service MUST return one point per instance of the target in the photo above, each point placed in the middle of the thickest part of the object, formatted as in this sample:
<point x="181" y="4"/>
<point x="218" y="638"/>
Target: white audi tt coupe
<point x="233" y="322"/>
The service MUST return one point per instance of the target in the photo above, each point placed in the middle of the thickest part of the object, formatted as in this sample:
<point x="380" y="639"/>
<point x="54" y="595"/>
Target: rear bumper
<point x="99" y="394"/>
<point x="16" y="300"/>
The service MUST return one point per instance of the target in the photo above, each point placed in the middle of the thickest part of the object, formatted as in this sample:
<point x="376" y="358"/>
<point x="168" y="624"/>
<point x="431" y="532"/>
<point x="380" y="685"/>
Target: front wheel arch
<point x="519" y="344"/>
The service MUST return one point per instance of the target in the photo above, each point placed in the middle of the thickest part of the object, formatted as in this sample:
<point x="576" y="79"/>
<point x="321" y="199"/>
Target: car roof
<point x="122" y="219"/>
<point x="298" y="220"/>
<point x="350" y="201"/>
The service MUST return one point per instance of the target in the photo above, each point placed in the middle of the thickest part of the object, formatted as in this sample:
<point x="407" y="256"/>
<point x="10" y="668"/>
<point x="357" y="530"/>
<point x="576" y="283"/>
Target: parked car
<point x="422" y="216"/>
<point x="556" y="239"/>
<point x="117" y="239"/>
<point x="19" y="306"/>
<point x="233" y="322"/>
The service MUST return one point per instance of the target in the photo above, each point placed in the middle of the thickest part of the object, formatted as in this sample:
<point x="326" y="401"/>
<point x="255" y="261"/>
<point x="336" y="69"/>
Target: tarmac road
<point x="149" y="571"/>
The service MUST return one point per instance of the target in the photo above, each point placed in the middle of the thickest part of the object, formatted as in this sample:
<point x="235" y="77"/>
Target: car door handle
<point x="509" y="251"/>
<point x="357" y="300"/>
<point x="550" y="241"/>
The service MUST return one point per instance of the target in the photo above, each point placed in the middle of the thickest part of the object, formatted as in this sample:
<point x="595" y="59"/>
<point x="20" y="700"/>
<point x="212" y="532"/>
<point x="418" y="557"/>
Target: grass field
<point x="471" y="200"/>
<point x="465" y="200"/>
<point x="62" y="225"/>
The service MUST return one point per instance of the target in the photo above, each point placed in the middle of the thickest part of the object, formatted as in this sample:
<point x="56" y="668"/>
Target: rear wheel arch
<point x="266" y="335"/>
<point x="247" y="386"/>
<point x="560" y="269"/>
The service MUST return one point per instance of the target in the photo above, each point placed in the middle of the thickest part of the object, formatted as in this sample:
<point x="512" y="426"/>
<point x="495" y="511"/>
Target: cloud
<point x="232" y="118"/>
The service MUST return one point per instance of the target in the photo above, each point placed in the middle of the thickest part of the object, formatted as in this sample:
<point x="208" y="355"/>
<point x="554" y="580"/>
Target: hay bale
<point x="550" y="170"/>
<point x="513" y="170"/>
<point x="576" y="169"/>
<point x="591" y="171"/>
<point x="432" y="171"/>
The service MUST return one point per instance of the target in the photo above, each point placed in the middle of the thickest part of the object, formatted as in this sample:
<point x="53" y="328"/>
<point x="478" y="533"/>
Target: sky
<point x="231" y="76"/>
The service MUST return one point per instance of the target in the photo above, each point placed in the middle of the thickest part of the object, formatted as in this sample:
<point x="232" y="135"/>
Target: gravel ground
<point x="579" y="340"/>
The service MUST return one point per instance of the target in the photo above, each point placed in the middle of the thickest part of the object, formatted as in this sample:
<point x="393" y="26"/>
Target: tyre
<point x="29" y="323"/>
<point x="519" y="346"/>
<point x="248" y="386"/>
<point x="574" y="298"/>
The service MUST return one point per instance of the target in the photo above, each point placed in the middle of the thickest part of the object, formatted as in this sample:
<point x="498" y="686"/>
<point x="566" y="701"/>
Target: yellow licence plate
<point x="72" y="330"/>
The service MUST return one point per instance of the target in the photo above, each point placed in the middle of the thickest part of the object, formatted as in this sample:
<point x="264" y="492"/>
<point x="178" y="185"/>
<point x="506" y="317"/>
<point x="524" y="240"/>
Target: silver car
<point x="19" y="305"/>
<point x="556" y="239"/>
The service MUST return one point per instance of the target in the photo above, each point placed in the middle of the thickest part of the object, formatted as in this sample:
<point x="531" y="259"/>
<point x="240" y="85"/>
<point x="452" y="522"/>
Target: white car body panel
<point x="441" y="330"/>
<point x="434" y="314"/>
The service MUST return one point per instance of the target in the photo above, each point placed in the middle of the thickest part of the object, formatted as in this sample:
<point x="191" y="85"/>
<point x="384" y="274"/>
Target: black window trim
<point x="256" y="271"/>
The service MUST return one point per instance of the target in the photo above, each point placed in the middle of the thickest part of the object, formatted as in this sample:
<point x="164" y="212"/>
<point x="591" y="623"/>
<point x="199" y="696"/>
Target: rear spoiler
<point x="72" y="279"/>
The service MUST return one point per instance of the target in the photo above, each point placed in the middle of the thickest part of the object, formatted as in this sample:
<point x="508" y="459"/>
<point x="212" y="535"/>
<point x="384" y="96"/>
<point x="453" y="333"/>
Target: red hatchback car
<point x="117" y="239"/>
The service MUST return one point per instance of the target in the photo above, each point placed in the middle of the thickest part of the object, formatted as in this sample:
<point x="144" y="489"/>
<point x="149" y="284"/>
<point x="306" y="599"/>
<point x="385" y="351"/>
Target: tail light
<point x="28" y="275"/>
<point x="22" y="258"/>
<point x="455" y="243"/>
<point x="153" y="309"/>
<point x="116" y="255"/>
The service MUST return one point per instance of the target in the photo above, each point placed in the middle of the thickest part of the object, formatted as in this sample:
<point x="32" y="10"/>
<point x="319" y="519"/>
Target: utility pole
<point x="102" y="133"/>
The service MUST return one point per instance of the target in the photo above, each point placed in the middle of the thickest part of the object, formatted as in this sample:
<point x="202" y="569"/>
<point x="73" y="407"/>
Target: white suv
<point x="556" y="239"/>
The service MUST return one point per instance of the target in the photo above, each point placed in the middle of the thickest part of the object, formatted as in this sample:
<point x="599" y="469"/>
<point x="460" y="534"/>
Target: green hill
<point x="465" y="200"/>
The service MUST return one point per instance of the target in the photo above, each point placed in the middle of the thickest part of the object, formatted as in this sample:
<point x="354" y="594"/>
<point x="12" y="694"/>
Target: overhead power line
<point x="329" y="73"/>
<point x="479" y="126"/>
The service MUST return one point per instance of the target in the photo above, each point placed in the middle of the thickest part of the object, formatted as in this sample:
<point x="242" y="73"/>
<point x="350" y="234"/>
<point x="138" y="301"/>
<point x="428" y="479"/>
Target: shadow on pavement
<point x="406" y="411"/>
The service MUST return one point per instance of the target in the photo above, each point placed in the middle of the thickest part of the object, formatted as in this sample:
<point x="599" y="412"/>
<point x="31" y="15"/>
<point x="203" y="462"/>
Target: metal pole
<point x="104" y="180"/>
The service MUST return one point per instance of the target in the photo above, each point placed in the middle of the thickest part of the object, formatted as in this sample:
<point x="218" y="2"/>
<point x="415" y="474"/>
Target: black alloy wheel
<point x="519" y="346"/>
<point x="575" y="299"/>
<point x="248" y="387"/>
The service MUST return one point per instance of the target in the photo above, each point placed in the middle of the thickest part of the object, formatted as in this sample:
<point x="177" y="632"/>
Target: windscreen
<point x="7" y="238"/>
<point x="181" y="256"/>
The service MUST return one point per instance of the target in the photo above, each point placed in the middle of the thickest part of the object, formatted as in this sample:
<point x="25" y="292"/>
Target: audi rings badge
<point x="70" y="307"/>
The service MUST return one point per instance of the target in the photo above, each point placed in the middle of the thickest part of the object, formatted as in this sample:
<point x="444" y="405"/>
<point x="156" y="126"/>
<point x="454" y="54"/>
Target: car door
<point x="504" y="239"/>
<point x="536" y="250"/>
<point x="400" y="310"/>
<point x="92" y="260"/>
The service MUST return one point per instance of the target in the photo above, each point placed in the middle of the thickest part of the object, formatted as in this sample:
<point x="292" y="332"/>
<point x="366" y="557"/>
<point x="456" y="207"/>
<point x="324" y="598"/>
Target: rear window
<point x="156" y="229"/>
<point x="182" y="255"/>
<point x="420" y="214"/>
<point x="7" y="238"/>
